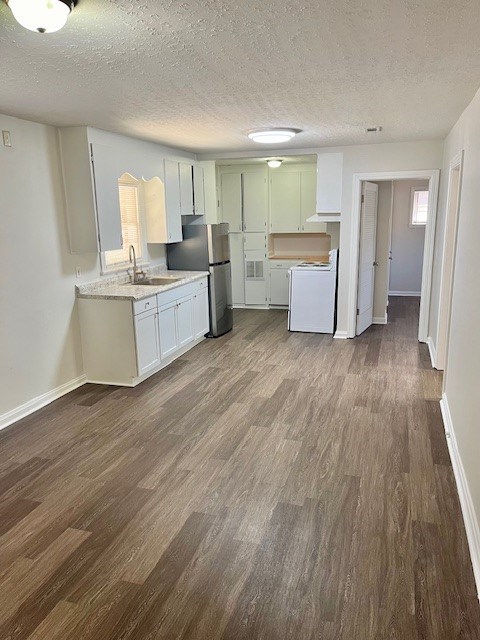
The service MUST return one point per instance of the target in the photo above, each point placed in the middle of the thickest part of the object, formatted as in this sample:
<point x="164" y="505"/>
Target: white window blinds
<point x="130" y="214"/>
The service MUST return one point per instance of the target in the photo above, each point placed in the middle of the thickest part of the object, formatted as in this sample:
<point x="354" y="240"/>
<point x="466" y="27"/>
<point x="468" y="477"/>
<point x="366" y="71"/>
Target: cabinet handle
<point x="303" y="228"/>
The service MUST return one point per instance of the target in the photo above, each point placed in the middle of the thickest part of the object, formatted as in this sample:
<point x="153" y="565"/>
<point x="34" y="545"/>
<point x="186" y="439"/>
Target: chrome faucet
<point x="135" y="272"/>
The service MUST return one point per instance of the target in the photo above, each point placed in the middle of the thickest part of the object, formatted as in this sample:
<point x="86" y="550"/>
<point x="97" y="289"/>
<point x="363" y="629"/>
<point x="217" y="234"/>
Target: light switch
<point x="7" y="140"/>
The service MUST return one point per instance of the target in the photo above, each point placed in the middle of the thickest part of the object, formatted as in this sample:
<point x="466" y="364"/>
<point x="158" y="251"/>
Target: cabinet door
<point x="279" y="287"/>
<point x="285" y="202"/>
<point x="168" y="329"/>
<point x="185" y="321"/>
<point x="199" y="190"/>
<point x="201" y="316"/>
<point x="237" y="260"/>
<point x="172" y="202"/>
<point x="186" y="189"/>
<point x="255" y="278"/>
<point x="255" y="201"/>
<point x="308" y="194"/>
<point x="231" y="199"/>
<point x="107" y="171"/>
<point x="147" y="341"/>
<point x="329" y="182"/>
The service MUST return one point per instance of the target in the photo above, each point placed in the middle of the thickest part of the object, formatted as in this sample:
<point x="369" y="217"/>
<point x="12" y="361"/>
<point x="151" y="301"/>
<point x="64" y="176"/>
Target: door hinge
<point x="358" y="312"/>
<point x="363" y="199"/>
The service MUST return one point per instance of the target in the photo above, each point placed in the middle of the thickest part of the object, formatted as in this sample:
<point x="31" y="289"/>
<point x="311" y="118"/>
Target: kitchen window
<point x="418" y="207"/>
<point x="130" y="196"/>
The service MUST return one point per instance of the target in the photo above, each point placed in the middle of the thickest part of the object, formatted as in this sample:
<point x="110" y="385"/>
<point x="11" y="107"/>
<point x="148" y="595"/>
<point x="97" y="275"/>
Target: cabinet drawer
<point x="139" y="306"/>
<point x="181" y="292"/>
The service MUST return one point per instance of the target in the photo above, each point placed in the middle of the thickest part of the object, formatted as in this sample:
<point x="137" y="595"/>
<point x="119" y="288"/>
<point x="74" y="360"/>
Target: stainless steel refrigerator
<point x="205" y="247"/>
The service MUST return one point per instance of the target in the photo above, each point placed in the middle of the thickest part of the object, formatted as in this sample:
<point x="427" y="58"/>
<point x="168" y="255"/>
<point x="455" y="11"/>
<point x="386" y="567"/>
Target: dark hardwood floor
<point x="267" y="485"/>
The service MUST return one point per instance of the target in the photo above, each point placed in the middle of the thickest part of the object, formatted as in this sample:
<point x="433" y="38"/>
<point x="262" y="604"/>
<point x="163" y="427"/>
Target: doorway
<point x="430" y="177"/>
<point x="449" y="250"/>
<point x="392" y="239"/>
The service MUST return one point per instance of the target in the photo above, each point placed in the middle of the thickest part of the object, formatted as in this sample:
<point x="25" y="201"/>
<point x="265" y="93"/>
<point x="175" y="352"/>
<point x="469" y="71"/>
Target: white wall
<point x="39" y="331"/>
<point x="462" y="378"/>
<point x="407" y="242"/>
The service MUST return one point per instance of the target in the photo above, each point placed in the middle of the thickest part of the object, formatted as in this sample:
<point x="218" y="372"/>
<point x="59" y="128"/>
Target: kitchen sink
<point x="157" y="282"/>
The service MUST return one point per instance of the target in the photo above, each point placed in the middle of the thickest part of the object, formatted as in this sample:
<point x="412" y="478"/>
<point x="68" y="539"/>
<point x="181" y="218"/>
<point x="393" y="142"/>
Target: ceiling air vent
<point x="373" y="129"/>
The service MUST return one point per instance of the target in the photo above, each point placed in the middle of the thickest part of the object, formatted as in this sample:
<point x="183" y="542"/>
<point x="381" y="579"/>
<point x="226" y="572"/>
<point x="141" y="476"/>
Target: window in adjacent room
<point x="419" y="207"/>
<point x="130" y="211"/>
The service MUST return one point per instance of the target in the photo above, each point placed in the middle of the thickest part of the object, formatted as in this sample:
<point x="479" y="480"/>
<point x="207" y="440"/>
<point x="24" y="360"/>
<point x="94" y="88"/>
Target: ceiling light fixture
<point x="274" y="163"/>
<point x="42" y="16"/>
<point x="272" y="136"/>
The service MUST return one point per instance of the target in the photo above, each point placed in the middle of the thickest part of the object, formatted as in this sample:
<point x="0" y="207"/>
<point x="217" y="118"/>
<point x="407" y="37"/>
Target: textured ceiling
<point x="199" y="75"/>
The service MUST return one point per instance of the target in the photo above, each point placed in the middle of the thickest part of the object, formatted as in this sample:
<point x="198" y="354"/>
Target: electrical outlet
<point x="7" y="139"/>
<point x="78" y="272"/>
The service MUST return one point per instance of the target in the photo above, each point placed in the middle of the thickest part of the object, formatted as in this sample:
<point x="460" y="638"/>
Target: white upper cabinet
<point x="186" y="188"/>
<point x="106" y="171"/>
<point x="285" y="200"/>
<point x="329" y="182"/>
<point x="90" y="175"/>
<point x="199" y="190"/>
<point x="164" y="225"/>
<point x="91" y="171"/>
<point x="231" y="199"/>
<point x="254" y="201"/>
<point x="292" y="200"/>
<point x="173" y="219"/>
<point x="307" y="204"/>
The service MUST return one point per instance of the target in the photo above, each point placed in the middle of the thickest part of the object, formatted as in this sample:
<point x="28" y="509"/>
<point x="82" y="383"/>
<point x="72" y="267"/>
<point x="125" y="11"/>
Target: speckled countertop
<point x="118" y="287"/>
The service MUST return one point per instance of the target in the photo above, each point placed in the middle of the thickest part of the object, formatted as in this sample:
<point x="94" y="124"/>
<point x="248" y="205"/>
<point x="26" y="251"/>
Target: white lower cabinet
<point x="201" y="316"/>
<point x="167" y="322"/>
<point x="279" y="284"/>
<point x="123" y="341"/>
<point x="185" y="321"/>
<point x="147" y="340"/>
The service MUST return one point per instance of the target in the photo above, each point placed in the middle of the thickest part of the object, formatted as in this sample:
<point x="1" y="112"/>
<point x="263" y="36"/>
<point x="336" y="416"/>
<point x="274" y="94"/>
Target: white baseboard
<point x="341" y="335"/>
<point x="29" y="407"/>
<point x="466" y="502"/>
<point x="413" y="294"/>
<point x="380" y="320"/>
<point x="432" y="351"/>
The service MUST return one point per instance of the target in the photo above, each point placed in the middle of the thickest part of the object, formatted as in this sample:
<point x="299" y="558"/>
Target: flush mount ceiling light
<point x="272" y="136"/>
<point x="274" y="163"/>
<point x="42" y="16"/>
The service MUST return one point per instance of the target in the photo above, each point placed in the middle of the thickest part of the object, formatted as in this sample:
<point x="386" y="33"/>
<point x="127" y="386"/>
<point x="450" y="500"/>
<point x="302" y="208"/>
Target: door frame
<point x="362" y="202"/>
<point x="432" y="175"/>
<point x="447" y="273"/>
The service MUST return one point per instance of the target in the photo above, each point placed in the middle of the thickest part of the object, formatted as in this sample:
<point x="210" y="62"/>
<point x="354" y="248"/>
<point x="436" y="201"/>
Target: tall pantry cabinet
<point x="244" y="205"/>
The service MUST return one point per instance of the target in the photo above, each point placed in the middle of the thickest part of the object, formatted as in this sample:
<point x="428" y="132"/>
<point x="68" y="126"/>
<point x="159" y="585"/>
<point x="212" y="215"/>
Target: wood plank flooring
<point x="265" y="486"/>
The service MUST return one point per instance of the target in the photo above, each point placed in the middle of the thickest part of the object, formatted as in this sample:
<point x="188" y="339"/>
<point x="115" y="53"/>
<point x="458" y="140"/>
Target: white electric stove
<point x="313" y="288"/>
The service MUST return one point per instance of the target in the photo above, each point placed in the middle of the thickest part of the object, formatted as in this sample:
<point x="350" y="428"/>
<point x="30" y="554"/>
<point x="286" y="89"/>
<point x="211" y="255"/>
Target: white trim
<point x="432" y="175"/>
<point x="341" y="335"/>
<point x="380" y="320"/>
<point x="406" y="294"/>
<point x="466" y="502"/>
<point x="442" y="335"/>
<point x="33" y="405"/>
<point x="432" y="351"/>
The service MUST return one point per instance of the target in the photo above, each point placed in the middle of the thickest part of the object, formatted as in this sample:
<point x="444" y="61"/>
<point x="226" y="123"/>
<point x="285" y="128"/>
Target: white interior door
<point x="366" y="267"/>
